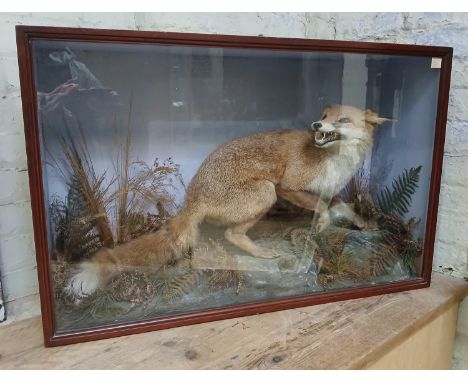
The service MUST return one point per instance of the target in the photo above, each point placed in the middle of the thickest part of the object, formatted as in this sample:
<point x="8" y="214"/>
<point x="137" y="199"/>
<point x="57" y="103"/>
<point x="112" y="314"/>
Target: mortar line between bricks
<point x="464" y="155"/>
<point x="15" y="202"/>
<point x="16" y="169"/>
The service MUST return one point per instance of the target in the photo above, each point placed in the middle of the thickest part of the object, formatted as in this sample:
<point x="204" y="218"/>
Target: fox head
<point x="345" y="124"/>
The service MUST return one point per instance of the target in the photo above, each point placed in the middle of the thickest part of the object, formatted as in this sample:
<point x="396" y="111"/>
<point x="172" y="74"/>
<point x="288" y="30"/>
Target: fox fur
<point x="239" y="182"/>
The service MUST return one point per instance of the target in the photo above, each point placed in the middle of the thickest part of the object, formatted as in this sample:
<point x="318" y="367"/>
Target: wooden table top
<point x="343" y="335"/>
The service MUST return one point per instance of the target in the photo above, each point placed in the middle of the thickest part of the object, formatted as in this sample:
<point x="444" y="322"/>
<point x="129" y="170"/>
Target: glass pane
<point x="184" y="178"/>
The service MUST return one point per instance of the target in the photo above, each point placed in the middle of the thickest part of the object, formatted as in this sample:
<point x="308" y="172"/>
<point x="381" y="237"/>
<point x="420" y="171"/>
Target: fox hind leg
<point x="237" y="236"/>
<point x="247" y="208"/>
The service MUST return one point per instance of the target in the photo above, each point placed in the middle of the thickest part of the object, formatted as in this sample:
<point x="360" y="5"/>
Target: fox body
<point x="240" y="181"/>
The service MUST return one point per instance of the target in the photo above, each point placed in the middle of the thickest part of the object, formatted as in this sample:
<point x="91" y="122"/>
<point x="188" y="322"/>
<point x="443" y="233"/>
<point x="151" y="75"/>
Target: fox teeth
<point x="323" y="137"/>
<point x="320" y="135"/>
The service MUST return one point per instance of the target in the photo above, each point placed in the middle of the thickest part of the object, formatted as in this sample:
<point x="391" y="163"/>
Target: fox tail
<point x="151" y="251"/>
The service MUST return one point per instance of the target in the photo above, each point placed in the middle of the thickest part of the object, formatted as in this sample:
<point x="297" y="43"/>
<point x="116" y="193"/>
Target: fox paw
<point x="266" y="253"/>
<point x="85" y="282"/>
<point x="322" y="222"/>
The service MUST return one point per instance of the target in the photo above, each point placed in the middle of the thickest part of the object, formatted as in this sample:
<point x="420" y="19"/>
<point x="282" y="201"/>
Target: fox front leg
<point x="323" y="221"/>
<point x="345" y="210"/>
<point x="303" y="199"/>
<point x="310" y="202"/>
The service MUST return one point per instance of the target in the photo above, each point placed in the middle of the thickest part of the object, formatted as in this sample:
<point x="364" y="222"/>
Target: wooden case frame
<point x="25" y="34"/>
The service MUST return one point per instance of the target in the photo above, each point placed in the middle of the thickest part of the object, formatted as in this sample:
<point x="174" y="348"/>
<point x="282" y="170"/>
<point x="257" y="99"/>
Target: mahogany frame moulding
<point x="24" y="36"/>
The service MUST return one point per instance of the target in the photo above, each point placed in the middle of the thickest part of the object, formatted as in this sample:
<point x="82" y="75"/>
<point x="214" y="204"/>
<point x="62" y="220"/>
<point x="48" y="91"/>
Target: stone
<point x="13" y="152"/>
<point x="458" y="109"/>
<point x="17" y="253"/>
<point x="15" y="219"/>
<point x="459" y="72"/>
<point x="15" y="187"/>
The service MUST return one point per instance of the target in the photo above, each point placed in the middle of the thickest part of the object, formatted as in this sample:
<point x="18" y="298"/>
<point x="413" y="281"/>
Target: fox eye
<point x="323" y="117"/>
<point x="344" y="120"/>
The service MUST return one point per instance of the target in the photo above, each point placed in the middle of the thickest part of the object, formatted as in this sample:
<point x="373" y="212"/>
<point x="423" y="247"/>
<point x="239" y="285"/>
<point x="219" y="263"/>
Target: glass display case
<point x="183" y="178"/>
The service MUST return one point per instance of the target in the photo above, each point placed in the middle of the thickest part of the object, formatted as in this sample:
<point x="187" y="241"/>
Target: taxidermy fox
<point x="240" y="181"/>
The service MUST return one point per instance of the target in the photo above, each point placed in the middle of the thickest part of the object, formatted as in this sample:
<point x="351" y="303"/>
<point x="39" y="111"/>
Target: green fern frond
<point x="398" y="200"/>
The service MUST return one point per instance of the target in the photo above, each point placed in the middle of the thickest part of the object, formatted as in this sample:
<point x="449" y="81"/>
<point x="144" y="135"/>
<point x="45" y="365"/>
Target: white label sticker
<point x="436" y="63"/>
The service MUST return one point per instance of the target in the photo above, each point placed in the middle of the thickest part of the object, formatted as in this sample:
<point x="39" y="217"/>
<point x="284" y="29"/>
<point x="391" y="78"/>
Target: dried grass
<point x="136" y="199"/>
<point x="93" y="187"/>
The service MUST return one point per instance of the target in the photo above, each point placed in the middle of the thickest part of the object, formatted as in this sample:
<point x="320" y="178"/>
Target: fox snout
<point x="316" y="125"/>
<point x="323" y="127"/>
<point x="325" y="133"/>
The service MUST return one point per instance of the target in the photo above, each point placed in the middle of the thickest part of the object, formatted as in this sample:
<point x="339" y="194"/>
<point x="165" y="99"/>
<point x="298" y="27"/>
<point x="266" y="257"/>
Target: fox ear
<point x="374" y="119"/>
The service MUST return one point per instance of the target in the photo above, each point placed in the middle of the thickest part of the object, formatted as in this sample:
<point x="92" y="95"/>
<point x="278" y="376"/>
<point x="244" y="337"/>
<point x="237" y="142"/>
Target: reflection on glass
<point x="186" y="178"/>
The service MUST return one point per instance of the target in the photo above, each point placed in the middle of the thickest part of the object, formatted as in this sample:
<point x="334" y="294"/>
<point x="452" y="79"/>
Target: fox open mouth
<point x="324" y="138"/>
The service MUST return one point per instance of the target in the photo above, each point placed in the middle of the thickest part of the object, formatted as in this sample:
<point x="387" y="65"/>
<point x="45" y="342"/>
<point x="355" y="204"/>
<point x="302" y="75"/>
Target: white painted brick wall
<point x="271" y="24"/>
<point x="16" y="242"/>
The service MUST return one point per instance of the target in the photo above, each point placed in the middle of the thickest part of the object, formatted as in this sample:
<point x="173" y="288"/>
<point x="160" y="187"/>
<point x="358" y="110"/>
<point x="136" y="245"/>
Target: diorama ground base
<point x="220" y="274"/>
